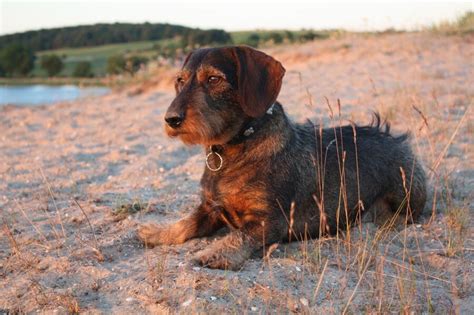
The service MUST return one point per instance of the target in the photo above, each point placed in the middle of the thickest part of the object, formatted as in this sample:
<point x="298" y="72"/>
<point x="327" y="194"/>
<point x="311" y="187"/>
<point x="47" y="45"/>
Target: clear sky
<point x="19" y="15"/>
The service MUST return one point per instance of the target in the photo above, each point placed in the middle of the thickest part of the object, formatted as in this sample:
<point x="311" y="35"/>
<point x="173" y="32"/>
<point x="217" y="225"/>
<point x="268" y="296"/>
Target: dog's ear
<point x="187" y="59"/>
<point x="259" y="78"/>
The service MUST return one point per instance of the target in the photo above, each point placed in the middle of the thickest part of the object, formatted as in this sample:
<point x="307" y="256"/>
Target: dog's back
<point x="350" y="169"/>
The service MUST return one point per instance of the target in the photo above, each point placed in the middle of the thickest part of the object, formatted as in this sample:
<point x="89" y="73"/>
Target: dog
<point x="268" y="179"/>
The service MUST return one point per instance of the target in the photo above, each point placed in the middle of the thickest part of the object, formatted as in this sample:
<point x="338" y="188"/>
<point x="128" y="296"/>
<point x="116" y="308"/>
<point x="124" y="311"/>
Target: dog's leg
<point x="231" y="251"/>
<point x="201" y="222"/>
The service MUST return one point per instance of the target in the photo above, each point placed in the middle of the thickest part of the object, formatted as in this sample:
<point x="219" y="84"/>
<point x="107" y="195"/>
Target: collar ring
<point x="219" y="165"/>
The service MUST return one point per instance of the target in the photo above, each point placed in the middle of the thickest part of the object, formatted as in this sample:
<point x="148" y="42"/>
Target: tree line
<point x="101" y="34"/>
<point x="17" y="51"/>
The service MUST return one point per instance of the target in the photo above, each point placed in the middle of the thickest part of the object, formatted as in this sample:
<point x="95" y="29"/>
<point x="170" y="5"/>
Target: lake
<point x="39" y="94"/>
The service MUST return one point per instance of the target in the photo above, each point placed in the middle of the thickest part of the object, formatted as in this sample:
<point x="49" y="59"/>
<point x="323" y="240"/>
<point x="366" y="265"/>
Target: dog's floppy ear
<point x="259" y="78"/>
<point x="187" y="59"/>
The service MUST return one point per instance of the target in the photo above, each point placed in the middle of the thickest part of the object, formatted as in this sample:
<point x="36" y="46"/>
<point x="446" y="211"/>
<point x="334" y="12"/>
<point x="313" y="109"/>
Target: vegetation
<point x="268" y="38"/>
<point x="119" y="64"/>
<point x="112" y="58"/>
<point x="115" y="64"/>
<point x="16" y="60"/>
<point x="110" y="49"/>
<point x="210" y="37"/>
<point x="52" y="64"/>
<point x="101" y="34"/>
<point x="463" y="25"/>
<point x="95" y="44"/>
<point x="83" y="70"/>
<point x="134" y="63"/>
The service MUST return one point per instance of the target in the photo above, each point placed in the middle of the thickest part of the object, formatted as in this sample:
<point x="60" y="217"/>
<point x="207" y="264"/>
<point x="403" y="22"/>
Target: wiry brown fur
<point x="282" y="174"/>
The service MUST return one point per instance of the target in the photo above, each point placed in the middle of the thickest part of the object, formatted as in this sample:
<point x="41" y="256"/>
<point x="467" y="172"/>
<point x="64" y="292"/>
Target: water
<point x="45" y="94"/>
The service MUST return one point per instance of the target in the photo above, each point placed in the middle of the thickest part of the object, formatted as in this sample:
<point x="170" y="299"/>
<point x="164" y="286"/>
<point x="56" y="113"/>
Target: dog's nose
<point x="174" y="120"/>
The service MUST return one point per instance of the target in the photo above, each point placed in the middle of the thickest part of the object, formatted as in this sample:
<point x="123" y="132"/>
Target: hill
<point x="102" y="34"/>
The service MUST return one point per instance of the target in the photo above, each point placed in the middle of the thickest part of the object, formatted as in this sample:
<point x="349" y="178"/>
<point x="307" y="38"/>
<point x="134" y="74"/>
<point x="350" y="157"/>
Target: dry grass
<point x="463" y="25"/>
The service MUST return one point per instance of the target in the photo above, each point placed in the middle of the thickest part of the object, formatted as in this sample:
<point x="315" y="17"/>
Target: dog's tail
<point x="382" y="126"/>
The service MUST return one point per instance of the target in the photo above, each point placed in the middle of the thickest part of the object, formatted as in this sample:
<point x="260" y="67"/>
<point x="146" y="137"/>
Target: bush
<point x="289" y="36"/>
<point x="276" y="38"/>
<point x="466" y="21"/>
<point x="253" y="40"/>
<point x="198" y="38"/>
<point x="463" y="25"/>
<point x="119" y="64"/>
<point x="52" y="64"/>
<point x="16" y="60"/>
<point x="115" y="65"/>
<point x="134" y="63"/>
<point x="83" y="70"/>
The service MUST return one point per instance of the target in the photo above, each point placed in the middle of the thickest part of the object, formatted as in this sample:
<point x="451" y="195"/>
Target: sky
<point x="231" y="15"/>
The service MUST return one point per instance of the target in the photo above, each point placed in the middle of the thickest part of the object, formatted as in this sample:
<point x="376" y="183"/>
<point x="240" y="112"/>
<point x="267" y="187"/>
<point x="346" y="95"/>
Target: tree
<point x="289" y="35"/>
<point x="253" y="40"/>
<point x="52" y="64"/>
<point x="101" y="34"/>
<point x="83" y="70"/>
<point x="275" y="37"/>
<point x="16" y="60"/>
<point x="115" y="65"/>
<point x="134" y="63"/>
<point x="119" y="64"/>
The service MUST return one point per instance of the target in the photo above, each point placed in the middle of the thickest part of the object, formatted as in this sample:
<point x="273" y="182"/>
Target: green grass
<point x="97" y="56"/>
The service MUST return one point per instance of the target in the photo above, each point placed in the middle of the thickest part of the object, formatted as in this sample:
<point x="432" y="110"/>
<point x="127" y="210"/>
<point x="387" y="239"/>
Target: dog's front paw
<point x="215" y="260"/>
<point x="221" y="258"/>
<point x="151" y="234"/>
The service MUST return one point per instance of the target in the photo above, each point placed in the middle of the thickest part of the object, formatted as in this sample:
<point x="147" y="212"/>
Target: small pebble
<point x="304" y="301"/>
<point x="129" y="299"/>
<point x="196" y="268"/>
<point x="187" y="303"/>
<point x="213" y="298"/>
<point x="254" y="308"/>
<point x="298" y="269"/>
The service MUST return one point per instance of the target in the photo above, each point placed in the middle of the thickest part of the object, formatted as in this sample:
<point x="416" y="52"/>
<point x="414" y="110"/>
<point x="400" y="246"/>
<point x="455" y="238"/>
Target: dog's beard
<point x="192" y="134"/>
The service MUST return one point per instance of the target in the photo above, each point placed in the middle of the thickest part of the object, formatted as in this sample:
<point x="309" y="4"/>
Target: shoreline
<point x="56" y="81"/>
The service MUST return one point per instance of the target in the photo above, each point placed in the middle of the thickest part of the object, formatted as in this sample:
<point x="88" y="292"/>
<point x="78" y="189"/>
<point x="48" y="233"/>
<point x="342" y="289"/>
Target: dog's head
<point x="218" y="89"/>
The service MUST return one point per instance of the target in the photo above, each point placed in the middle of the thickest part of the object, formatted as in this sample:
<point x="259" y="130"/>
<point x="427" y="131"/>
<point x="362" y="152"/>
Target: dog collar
<point x="250" y="127"/>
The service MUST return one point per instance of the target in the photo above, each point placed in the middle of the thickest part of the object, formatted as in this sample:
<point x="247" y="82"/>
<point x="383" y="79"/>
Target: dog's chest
<point x="239" y="195"/>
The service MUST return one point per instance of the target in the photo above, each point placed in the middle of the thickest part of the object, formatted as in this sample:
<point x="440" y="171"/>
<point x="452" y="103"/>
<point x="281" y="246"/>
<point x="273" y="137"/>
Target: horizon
<point x="23" y="16"/>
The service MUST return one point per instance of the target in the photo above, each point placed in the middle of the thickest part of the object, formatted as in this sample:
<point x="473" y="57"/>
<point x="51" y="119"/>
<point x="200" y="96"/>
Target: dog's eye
<point x="180" y="81"/>
<point x="213" y="80"/>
